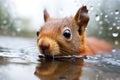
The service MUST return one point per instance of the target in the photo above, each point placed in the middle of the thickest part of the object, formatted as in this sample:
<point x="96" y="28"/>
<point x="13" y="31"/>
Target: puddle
<point x="19" y="61"/>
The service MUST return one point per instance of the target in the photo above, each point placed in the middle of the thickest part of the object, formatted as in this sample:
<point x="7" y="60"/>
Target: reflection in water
<point x="59" y="69"/>
<point x="19" y="63"/>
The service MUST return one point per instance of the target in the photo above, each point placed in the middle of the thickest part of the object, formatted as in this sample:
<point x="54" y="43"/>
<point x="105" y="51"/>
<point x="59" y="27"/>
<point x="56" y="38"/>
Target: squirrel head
<point x="64" y="36"/>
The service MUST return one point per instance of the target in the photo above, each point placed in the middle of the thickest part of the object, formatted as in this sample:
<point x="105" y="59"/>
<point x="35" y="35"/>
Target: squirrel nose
<point x="44" y="45"/>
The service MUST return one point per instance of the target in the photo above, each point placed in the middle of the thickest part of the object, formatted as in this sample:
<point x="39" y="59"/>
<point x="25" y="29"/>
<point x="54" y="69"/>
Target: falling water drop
<point x="118" y="27"/>
<point x="61" y="11"/>
<point x="115" y="34"/>
<point x="113" y="50"/>
<point x="98" y="4"/>
<point x="111" y="13"/>
<point x="101" y="14"/>
<point x="101" y="22"/>
<point x="4" y="22"/>
<point x="116" y="42"/>
<point x="18" y="29"/>
<point x="114" y="24"/>
<point x="97" y="18"/>
<point x="106" y="16"/>
<point x="110" y="28"/>
<point x="116" y="12"/>
<point x="91" y="8"/>
<point x="116" y="18"/>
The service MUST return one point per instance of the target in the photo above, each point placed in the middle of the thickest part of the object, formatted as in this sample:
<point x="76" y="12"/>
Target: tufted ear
<point x="81" y="18"/>
<point x="46" y="15"/>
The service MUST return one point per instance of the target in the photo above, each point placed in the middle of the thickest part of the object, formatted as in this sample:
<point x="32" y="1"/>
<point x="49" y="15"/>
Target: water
<point x="19" y="61"/>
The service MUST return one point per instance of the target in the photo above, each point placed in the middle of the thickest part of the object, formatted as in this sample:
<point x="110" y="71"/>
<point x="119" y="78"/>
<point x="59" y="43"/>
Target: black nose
<point x="44" y="46"/>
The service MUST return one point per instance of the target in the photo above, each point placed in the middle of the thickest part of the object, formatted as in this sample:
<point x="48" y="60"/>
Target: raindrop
<point x="4" y="22"/>
<point x="18" y="29"/>
<point x="116" y="42"/>
<point x="101" y="14"/>
<point x="97" y="18"/>
<point x="61" y="11"/>
<point x="113" y="50"/>
<point x="114" y="24"/>
<point x="86" y="28"/>
<point x="111" y="13"/>
<point x="115" y="34"/>
<point x="116" y="18"/>
<point x="100" y="32"/>
<point x="107" y="20"/>
<point x="118" y="27"/>
<point x="106" y="16"/>
<point x="116" y="12"/>
<point x="110" y="28"/>
<point x="98" y="4"/>
<point x="100" y="22"/>
<point x="91" y="8"/>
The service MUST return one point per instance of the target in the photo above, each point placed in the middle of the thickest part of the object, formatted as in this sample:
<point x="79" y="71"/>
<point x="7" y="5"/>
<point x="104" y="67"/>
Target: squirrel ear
<point x="46" y="15"/>
<point x="81" y="18"/>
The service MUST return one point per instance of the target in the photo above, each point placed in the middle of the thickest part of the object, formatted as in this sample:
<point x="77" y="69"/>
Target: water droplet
<point x="116" y="18"/>
<point x="86" y="28"/>
<point x="114" y="24"/>
<point x="116" y="12"/>
<point x="100" y="22"/>
<point x="4" y="22"/>
<point x="116" y="42"/>
<point x="100" y="32"/>
<point x="101" y="14"/>
<point x="18" y="29"/>
<point x="115" y="34"/>
<point x="113" y="50"/>
<point x="61" y="11"/>
<point x="91" y="8"/>
<point x="106" y="20"/>
<point x="111" y="13"/>
<point x="106" y="16"/>
<point x="110" y="28"/>
<point x="118" y="27"/>
<point x="98" y="4"/>
<point x="97" y="18"/>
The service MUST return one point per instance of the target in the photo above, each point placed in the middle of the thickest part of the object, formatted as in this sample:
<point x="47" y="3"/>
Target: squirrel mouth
<point x="72" y="57"/>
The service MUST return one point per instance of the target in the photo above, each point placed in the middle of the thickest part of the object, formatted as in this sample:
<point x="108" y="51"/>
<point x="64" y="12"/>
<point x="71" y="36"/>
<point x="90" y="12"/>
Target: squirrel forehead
<point x="56" y="25"/>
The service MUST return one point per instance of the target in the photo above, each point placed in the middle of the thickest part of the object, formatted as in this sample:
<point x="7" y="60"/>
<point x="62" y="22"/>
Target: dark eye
<point x="37" y="33"/>
<point x="67" y="34"/>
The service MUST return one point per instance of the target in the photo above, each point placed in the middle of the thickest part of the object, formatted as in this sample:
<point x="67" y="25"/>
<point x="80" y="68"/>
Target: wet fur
<point x="51" y="34"/>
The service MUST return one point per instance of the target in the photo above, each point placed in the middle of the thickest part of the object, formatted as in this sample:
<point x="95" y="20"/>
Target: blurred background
<point x="22" y="18"/>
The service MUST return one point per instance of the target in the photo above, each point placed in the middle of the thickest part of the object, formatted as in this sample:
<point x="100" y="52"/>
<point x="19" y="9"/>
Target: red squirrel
<point x="67" y="36"/>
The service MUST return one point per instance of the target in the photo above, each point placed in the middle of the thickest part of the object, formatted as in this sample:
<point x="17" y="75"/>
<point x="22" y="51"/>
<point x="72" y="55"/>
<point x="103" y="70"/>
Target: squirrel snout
<point x="48" y="47"/>
<point x="44" y="45"/>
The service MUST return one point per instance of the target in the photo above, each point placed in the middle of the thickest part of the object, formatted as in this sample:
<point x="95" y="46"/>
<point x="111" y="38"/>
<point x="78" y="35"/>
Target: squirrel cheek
<point x="48" y="46"/>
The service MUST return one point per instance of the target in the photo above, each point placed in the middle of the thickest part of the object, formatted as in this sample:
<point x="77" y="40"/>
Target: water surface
<point x="19" y="61"/>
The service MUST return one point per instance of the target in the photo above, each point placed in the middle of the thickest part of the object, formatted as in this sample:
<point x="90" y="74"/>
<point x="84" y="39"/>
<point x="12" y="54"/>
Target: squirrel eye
<point x="37" y="33"/>
<point x="67" y="34"/>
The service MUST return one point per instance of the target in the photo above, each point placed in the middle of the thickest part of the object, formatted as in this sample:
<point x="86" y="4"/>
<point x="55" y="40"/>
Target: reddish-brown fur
<point x="59" y="70"/>
<point x="52" y="42"/>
